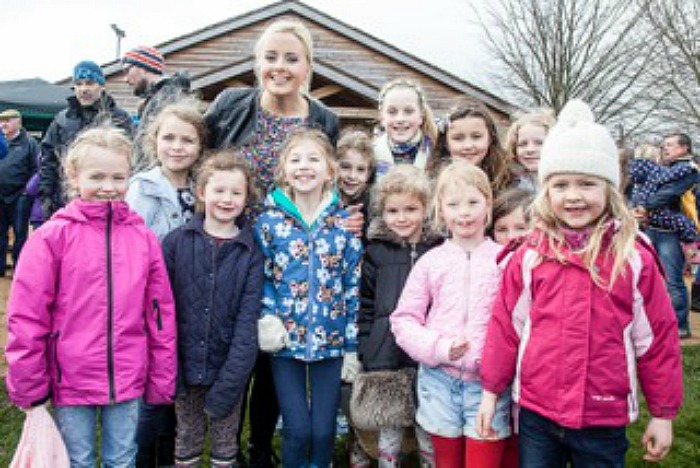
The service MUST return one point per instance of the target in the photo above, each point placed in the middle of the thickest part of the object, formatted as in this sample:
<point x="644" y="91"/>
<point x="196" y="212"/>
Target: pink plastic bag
<point x="41" y="445"/>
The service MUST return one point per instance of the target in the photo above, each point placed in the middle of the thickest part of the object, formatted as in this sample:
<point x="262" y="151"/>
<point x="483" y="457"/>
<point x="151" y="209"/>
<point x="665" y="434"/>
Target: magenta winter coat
<point x="577" y="350"/>
<point x="91" y="318"/>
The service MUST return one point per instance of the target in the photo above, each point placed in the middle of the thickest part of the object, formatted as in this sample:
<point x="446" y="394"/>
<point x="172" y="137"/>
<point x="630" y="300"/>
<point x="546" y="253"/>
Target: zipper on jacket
<point x="156" y="308"/>
<point x="413" y="255"/>
<point x="110" y="304"/>
<point x="59" y="372"/>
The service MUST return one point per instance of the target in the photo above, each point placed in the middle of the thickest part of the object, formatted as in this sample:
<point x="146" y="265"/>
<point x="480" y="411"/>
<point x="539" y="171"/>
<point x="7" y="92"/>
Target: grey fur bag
<point x="383" y="399"/>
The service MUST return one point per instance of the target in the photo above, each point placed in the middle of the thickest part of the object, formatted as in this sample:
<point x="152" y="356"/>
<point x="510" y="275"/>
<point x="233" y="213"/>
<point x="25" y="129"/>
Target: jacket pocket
<point x="156" y="309"/>
<point x="54" y="349"/>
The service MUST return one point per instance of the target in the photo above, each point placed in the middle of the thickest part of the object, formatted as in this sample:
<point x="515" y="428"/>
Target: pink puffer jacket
<point x="91" y="318"/>
<point x="448" y="296"/>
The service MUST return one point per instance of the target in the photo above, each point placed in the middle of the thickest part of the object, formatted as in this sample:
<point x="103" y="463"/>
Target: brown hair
<point x="510" y="200"/>
<point x="357" y="139"/>
<point x="228" y="160"/>
<point x="495" y="162"/>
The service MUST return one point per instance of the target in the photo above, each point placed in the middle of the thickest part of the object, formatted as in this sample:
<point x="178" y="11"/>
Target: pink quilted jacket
<point x="447" y="296"/>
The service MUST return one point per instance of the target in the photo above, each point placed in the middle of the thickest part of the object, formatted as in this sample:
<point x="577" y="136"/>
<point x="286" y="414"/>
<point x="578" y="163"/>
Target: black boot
<point x="261" y="459"/>
<point x="695" y="297"/>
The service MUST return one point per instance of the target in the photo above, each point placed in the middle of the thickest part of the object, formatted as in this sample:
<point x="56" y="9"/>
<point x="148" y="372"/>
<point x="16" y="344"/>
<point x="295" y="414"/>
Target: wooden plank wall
<point x="354" y="58"/>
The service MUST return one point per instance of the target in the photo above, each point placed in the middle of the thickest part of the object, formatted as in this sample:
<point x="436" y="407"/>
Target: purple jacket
<point x="91" y="318"/>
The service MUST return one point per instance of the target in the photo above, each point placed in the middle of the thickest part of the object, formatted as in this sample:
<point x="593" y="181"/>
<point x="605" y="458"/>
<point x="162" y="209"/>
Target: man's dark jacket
<point x="18" y="166"/>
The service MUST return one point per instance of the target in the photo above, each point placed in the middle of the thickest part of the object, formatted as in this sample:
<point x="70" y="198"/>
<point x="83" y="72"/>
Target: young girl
<point x="310" y="299"/>
<point x="582" y="311"/>
<point x="398" y="236"/>
<point x="523" y="145"/>
<point x="355" y="171"/>
<point x="91" y="315"/>
<point x="511" y="215"/>
<point x="216" y="270"/>
<point x="469" y="133"/>
<point x="441" y="321"/>
<point x="163" y="195"/>
<point x="409" y="130"/>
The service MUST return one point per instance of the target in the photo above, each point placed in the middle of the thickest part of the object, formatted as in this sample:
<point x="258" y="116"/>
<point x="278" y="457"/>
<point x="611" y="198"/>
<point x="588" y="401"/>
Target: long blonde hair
<point x="623" y="240"/>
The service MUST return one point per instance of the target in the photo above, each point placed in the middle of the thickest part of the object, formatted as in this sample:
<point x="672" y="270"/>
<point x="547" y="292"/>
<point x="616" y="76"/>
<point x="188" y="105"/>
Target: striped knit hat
<point x="148" y="58"/>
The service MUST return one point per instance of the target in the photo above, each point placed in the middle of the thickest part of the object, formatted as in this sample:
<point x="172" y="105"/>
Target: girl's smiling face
<point x="468" y="138"/>
<point x="577" y="200"/>
<point x="529" y="145"/>
<point x="509" y="227"/>
<point x="177" y="146"/>
<point x="102" y="175"/>
<point x="404" y="214"/>
<point x="353" y="173"/>
<point x="401" y="114"/>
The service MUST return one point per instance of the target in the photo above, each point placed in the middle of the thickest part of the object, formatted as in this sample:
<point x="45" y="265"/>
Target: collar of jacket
<point x="540" y="242"/>
<point x="280" y="199"/>
<point x="378" y="230"/>
<point x="104" y="103"/>
<point x="179" y="80"/>
<point x="87" y="211"/>
<point x="245" y="235"/>
<point x="156" y="184"/>
<point x="20" y="139"/>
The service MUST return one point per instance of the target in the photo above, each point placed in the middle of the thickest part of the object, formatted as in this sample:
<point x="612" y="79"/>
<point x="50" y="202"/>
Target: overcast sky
<point x="45" y="38"/>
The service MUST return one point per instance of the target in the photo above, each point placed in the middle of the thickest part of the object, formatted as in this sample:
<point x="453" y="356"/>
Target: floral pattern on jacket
<point x="311" y="277"/>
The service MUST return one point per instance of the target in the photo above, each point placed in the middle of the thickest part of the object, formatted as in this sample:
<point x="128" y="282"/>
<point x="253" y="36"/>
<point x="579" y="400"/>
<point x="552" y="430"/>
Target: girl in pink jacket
<point x="91" y="319"/>
<point x="582" y="315"/>
<point x="441" y="321"/>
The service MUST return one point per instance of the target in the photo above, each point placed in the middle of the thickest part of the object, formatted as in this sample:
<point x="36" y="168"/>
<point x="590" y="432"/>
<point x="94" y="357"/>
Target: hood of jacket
<point x="176" y="81"/>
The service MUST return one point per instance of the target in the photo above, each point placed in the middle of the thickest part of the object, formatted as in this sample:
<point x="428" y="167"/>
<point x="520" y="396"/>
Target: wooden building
<point x="350" y="66"/>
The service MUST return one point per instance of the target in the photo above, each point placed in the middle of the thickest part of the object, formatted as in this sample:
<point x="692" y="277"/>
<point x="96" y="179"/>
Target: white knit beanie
<point x="576" y="144"/>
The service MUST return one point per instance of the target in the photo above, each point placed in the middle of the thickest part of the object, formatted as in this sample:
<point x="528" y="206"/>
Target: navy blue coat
<point x="218" y="291"/>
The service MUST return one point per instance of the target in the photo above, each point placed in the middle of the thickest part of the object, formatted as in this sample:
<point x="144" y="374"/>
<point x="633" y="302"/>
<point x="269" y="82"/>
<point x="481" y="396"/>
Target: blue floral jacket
<point x="312" y="275"/>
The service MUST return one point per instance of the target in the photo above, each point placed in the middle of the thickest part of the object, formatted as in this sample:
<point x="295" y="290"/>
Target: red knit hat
<point x="148" y="58"/>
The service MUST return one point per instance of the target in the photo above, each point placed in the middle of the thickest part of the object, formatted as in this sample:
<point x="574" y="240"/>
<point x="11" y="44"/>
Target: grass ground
<point x="685" y="452"/>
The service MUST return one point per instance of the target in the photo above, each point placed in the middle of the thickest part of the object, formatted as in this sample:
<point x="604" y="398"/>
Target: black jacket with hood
<point x="385" y="268"/>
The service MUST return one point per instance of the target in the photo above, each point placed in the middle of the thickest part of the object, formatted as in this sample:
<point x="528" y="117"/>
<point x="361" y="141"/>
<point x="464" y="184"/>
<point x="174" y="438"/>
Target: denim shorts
<point x="448" y="406"/>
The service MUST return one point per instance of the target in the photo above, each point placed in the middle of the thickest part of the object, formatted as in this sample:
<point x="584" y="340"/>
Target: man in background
<point x="144" y="69"/>
<point x="90" y="106"/>
<point x="16" y="169"/>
